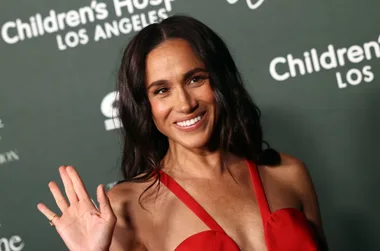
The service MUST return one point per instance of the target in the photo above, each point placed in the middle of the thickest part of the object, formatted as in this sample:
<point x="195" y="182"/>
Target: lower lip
<point x="192" y="127"/>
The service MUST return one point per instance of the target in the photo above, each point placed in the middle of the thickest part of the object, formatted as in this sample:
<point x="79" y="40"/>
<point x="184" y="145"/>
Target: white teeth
<point x="189" y="122"/>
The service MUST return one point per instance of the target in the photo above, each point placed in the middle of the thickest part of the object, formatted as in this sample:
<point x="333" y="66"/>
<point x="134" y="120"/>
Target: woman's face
<point x="182" y="101"/>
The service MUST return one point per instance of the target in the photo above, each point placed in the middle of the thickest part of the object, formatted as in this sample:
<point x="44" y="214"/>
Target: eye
<point x="160" y="91"/>
<point x="197" y="79"/>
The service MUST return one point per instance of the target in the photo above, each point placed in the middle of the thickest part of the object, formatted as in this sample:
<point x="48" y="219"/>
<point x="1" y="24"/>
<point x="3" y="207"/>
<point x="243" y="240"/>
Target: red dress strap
<point x="189" y="201"/>
<point x="259" y="191"/>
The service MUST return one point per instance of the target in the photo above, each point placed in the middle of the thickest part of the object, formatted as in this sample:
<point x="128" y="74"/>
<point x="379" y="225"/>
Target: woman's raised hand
<point x="81" y="226"/>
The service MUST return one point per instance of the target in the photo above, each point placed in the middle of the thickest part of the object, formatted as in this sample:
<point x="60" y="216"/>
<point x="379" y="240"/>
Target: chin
<point x="194" y="142"/>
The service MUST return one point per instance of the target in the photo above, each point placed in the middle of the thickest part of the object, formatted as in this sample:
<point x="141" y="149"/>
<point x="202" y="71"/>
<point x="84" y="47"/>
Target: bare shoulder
<point x="127" y="193"/>
<point x="294" y="172"/>
<point x="122" y="193"/>
<point x="129" y="229"/>
<point x="292" y="163"/>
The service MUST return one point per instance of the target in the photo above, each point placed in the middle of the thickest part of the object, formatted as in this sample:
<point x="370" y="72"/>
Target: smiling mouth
<point x="190" y="122"/>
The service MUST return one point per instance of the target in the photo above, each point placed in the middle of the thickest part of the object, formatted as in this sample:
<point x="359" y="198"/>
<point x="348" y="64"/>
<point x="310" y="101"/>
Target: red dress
<point x="286" y="229"/>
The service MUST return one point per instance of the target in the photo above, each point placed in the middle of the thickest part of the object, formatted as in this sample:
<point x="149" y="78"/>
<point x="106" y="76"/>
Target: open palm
<point x="82" y="226"/>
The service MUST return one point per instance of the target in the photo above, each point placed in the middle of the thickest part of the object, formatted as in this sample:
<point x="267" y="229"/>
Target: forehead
<point x="170" y="60"/>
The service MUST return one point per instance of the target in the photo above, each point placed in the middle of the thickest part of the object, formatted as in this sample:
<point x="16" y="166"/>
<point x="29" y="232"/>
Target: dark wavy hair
<point x="238" y="128"/>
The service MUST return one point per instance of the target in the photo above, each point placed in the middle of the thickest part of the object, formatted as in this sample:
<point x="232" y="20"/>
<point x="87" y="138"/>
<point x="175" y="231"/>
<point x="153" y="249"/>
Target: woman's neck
<point x="194" y="162"/>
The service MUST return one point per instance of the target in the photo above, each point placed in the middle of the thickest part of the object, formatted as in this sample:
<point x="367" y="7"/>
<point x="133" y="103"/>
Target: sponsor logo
<point x="130" y="17"/>
<point x="290" y="66"/>
<point x="251" y="4"/>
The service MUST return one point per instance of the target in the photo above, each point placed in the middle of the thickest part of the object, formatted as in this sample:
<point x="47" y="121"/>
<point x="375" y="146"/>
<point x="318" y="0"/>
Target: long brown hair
<point x="238" y="129"/>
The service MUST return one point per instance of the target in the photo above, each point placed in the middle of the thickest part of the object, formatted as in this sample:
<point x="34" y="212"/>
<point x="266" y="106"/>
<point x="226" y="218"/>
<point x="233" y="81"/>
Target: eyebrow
<point x="185" y="76"/>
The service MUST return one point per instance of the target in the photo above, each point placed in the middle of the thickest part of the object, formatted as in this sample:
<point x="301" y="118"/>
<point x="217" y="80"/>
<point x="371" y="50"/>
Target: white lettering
<point x="341" y="84"/>
<point x="8" y="157"/>
<point x="101" y="11"/>
<point x="142" y="5"/>
<point x="125" y="25"/>
<point x="152" y="16"/>
<point x="367" y="49"/>
<point x="23" y="28"/>
<point x="109" y="110"/>
<point x="61" y="45"/>
<point x="50" y="23"/>
<point x="112" y="29"/>
<point x="355" y="54"/>
<point x="72" y="18"/>
<point x="72" y="39"/>
<point x="341" y="53"/>
<point x="99" y="33"/>
<point x="155" y="2"/>
<point x="168" y="5"/>
<point x="329" y="55"/>
<point x="136" y="22"/>
<point x="293" y="62"/>
<point x="5" y="33"/>
<point x="251" y="4"/>
<point x="355" y="77"/>
<point x="119" y="4"/>
<point x="15" y="243"/>
<point x="368" y="74"/>
<point x="273" y="71"/>
<point x="162" y="13"/>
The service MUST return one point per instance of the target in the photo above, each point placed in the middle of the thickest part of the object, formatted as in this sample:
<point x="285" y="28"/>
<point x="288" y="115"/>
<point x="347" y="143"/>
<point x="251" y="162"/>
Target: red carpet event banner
<point x="313" y="68"/>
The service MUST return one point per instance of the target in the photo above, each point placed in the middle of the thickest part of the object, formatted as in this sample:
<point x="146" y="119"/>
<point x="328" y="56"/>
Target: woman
<point x="196" y="174"/>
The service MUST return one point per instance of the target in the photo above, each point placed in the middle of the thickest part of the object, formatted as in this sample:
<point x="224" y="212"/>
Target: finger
<point x="104" y="202"/>
<point x="93" y="202"/>
<point x="69" y="188"/>
<point x="58" y="196"/>
<point x="48" y="213"/>
<point x="79" y="187"/>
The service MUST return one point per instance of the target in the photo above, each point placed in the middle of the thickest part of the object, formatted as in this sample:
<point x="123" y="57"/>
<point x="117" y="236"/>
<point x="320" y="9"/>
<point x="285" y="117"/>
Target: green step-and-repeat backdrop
<point x="312" y="67"/>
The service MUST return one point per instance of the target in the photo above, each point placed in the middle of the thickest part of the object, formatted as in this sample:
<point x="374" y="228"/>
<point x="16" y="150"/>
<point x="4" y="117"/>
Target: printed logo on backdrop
<point x="109" y="110"/>
<point x="13" y="243"/>
<point x="251" y="4"/>
<point x="1" y="126"/>
<point x="130" y="14"/>
<point x="286" y="67"/>
<point x="9" y="155"/>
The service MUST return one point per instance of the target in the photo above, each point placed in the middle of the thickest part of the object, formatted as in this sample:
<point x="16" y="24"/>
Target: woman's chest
<point x="235" y="211"/>
<point x="232" y="206"/>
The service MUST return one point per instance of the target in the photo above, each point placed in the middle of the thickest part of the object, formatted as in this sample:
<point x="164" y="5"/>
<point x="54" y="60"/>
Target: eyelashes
<point x="160" y="91"/>
<point x="198" y="78"/>
<point x="195" y="80"/>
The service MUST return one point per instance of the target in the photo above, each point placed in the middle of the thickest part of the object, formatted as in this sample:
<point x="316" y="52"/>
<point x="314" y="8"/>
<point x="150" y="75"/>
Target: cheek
<point x="159" y="110"/>
<point x="209" y="98"/>
<point x="208" y="94"/>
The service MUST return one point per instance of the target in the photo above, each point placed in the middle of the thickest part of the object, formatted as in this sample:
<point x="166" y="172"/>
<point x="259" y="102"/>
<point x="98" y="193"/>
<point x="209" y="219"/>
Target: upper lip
<point x="190" y="117"/>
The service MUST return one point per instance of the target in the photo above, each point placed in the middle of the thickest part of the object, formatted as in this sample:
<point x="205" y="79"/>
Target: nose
<point x="185" y="101"/>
